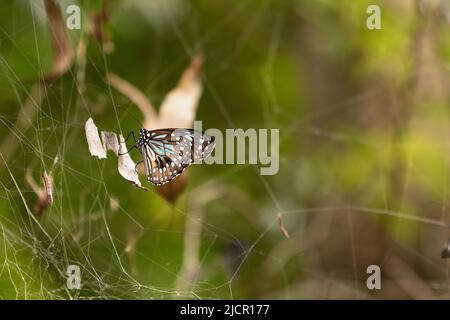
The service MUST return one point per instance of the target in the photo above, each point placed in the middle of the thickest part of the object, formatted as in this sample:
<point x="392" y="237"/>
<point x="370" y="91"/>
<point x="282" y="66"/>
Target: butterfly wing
<point x="168" y="152"/>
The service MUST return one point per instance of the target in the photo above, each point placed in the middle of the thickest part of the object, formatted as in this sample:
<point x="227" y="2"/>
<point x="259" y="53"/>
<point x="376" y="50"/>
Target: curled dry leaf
<point x="99" y="147"/>
<point x="44" y="193"/>
<point x="48" y="187"/>
<point x="127" y="167"/>
<point x="110" y="141"/>
<point x="95" y="144"/>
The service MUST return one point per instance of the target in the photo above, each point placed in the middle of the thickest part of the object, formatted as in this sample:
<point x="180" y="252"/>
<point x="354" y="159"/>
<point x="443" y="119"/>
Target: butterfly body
<point x="168" y="152"/>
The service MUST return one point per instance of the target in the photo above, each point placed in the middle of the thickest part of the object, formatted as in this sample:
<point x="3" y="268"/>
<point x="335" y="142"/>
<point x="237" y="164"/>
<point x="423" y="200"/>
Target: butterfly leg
<point x="121" y="154"/>
<point x="134" y="145"/>
<point x="128" y="137"/>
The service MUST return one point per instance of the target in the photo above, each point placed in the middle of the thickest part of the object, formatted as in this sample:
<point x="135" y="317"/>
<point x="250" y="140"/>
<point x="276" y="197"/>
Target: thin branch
<point x="281" y="225"/>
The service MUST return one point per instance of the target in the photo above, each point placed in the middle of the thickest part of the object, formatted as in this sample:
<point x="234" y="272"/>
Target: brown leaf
<point x="44" y="194"/>
<point x="48" y="187"/>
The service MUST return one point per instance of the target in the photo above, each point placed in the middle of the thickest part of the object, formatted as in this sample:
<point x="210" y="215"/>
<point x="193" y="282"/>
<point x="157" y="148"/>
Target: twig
<point x="281" y="225"/>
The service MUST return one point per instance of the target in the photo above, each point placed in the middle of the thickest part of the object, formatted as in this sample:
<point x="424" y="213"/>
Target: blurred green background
<point x="364" y="152"/>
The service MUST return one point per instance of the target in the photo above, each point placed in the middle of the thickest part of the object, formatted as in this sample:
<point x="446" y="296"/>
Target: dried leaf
<point x="44" y="194"/>
<point x="127" y="167"/>
<point x="109" y="141"/>
<point x="95" y="144"/>
<point x="48" y="187"/>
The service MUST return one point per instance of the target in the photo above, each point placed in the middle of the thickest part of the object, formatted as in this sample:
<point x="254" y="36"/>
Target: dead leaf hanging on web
<point x="44" y="193"/>
<point x="99" y="147"/>
<point x="95" y="144"/>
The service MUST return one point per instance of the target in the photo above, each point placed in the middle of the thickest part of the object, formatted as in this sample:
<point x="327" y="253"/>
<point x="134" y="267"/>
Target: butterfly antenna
<point x="131" y="133"/>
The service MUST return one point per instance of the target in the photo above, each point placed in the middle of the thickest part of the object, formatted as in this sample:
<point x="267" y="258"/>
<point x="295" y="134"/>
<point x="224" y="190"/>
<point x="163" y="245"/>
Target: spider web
<point x="308" y="230"/>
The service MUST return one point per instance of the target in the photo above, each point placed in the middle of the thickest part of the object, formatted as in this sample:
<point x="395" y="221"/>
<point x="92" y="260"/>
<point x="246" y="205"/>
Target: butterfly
<point x="166" y="153"/>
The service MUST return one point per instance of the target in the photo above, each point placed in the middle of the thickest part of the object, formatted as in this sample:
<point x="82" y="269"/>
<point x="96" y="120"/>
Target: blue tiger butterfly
<point x="166" y="153"/>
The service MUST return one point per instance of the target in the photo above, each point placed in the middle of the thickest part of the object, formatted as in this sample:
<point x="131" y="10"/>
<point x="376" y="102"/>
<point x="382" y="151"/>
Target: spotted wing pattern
<point x="168" y="152"/>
